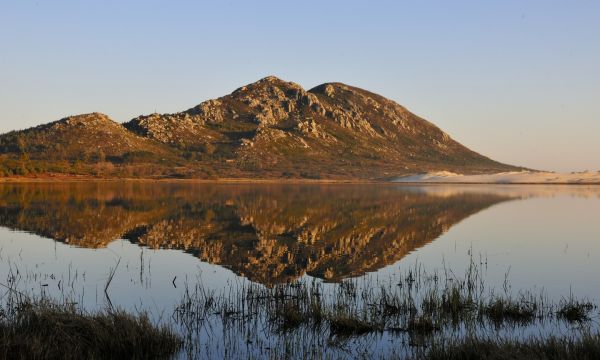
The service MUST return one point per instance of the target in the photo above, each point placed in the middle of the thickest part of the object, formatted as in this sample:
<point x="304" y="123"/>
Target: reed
<point x="586" y="347"/>
<point x="47" y="330"/>
<point x="418" y="311"/>
<point x="415" y="309"/>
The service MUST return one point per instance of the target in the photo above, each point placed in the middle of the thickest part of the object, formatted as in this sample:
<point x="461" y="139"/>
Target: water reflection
<point x="267" y="233"/>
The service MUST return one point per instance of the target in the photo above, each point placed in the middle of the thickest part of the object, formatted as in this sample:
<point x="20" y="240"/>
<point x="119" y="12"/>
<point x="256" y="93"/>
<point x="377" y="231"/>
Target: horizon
<point x="514" y="82"/>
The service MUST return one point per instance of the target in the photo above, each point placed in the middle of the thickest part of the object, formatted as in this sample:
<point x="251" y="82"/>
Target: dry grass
<point x="584" y="348"/>
<point x="422" y="312"/>
<point x="46" y="330"/>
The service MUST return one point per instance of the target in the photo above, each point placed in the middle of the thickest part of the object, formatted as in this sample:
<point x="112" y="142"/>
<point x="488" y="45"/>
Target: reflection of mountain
<point x="269" y="233"/>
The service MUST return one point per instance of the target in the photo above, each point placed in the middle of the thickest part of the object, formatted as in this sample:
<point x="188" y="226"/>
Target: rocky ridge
<point x="270" y="128"/>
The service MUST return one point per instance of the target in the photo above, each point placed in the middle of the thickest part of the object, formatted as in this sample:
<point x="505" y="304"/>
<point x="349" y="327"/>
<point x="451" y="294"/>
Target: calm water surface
<point x="64" y="239"/>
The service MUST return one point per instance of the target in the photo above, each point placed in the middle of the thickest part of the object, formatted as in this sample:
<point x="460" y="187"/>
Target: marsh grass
<point x="573" y="310"/>
<point x="422" y="325"/>
<point x="347" y="325"/>
<point x="46" y="330"/>
<point x="586" y="347"/>
<point x="415" y="309"/>
<point x="288" y="316"/>
<point x="500" y="310"/>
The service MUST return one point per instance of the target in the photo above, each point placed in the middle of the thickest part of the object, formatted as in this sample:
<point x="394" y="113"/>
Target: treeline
<point x="24" y="166"/>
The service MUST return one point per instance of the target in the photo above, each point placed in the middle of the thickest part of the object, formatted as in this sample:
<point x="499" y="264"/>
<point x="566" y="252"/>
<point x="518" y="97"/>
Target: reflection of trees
<point x="269" y="233"/>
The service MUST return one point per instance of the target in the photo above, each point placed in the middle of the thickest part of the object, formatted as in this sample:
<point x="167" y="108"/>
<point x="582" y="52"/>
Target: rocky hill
<point x="271" y="128"/>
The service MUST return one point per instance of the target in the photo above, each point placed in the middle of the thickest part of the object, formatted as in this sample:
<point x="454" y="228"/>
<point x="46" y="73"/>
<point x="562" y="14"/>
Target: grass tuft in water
<point x="289" y="316"/>
<point x="575" y="311"/>
<point x="501" y="310"/>
<point x="422" y="325"/>
<point x="347" y="325"/>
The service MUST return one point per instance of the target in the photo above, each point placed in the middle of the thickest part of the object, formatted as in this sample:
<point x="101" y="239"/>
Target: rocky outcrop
<point x="270" y="128"/>
<point x="348" y="130"/>
<point x="79" y="137"/>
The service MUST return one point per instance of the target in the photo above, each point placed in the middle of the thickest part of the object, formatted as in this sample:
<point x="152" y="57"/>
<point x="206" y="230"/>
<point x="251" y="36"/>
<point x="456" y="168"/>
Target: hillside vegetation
<point x="268" y="129"/>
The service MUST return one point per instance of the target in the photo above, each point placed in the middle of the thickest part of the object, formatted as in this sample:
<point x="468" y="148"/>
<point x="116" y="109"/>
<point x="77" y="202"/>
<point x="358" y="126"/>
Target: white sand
<point x="522" y="177"/>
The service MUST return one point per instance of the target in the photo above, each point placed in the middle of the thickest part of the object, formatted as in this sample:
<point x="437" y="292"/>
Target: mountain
<point x="269" y="129"/>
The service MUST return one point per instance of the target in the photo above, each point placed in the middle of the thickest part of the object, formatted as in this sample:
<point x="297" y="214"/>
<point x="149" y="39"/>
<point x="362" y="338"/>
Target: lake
<point x="145" y="246"/>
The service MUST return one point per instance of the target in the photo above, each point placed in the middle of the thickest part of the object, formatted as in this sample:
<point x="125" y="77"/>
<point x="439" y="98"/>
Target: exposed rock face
<point x="333" y="130"/>
<point x="177" y="129"/>
<point x="271" y="128"/>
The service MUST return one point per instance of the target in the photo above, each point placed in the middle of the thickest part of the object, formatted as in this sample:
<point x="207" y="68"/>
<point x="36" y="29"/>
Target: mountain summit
<point x="268" y="129"/>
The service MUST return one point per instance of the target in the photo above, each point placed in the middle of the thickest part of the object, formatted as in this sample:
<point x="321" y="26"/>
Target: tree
<point x="100" y="156"/>
<point x="59" y="152"/>
<point x="21" y="169"/>
<point x="21" y="145"/>
<point x="207" y="148"/>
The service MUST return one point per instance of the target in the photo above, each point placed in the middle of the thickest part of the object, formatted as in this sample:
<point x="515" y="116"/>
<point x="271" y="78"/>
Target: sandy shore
<point x="521" y="177"/>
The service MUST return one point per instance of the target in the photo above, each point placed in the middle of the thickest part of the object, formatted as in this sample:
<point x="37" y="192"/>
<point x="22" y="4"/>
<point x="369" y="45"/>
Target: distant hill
<point x="268" y="129"/>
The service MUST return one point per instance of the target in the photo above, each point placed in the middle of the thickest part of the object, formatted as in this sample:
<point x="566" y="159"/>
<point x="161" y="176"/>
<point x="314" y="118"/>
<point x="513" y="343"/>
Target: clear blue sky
<point x="518" y="81"/>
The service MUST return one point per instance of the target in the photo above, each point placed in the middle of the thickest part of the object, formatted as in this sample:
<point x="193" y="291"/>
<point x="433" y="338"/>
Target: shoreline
<point x="493" y="183"/>
<point x="71" y="179"/>
<point x="506" y="178"/>
<point x="74" y="179"/>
